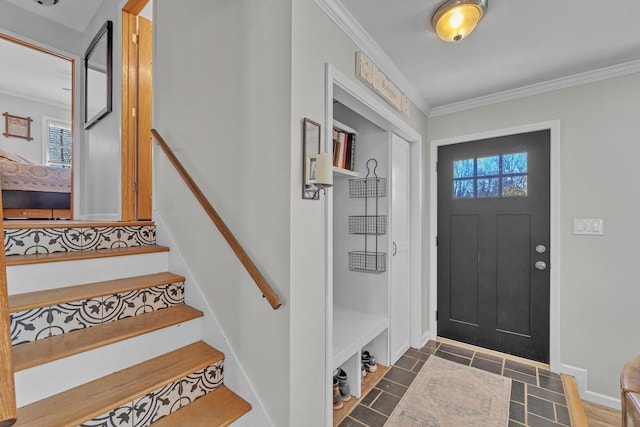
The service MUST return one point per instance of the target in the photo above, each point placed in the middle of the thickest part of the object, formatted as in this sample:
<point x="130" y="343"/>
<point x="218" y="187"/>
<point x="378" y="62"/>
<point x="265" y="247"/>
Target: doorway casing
<point x="136" y="114"/>
<point x="554" y="284"/>
<point x="339" y="86"/>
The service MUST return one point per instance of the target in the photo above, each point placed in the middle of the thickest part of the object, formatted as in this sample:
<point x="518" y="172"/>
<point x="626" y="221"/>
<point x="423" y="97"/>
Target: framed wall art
<point x="18" y="127"/>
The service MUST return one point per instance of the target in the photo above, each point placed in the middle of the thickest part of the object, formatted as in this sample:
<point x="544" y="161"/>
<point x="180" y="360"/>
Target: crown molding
<point x="352" y="28"/>
<point x="540" y="88"/>
<point x="347" y="23"/>
<point x="35" y="99"/>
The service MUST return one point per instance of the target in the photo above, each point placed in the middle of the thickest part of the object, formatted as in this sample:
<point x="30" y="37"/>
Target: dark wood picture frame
<point x="16" y="126"/>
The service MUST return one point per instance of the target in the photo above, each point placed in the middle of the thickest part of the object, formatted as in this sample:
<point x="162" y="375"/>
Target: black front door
<point x="493" y="243"/>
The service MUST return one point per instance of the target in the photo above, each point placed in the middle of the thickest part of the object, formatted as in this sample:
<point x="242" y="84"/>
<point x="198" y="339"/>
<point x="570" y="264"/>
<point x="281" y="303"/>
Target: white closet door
<point x="399" y="292"/>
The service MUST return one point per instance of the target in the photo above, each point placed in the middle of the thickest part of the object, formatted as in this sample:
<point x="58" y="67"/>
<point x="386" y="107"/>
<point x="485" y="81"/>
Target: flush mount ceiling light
<point x="456" y="19"/>
<point x="46" y="2"/>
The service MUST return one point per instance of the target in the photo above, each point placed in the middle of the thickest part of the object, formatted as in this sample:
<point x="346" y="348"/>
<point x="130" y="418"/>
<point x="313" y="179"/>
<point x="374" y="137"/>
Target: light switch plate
<point x="589" y="227"/>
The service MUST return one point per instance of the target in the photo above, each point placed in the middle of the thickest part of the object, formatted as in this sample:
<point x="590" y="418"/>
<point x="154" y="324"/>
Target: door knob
<point x="395" y="249"/>
<point x="541" y="249"/>
<point x="541" y="265"/>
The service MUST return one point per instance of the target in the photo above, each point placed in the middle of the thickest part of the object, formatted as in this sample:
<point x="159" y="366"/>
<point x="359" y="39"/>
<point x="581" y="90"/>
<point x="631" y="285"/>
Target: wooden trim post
<point x="8" y="409"/>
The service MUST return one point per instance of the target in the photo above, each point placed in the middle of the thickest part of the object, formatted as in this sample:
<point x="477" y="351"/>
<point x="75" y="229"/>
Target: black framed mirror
<point x="98" y="76"/>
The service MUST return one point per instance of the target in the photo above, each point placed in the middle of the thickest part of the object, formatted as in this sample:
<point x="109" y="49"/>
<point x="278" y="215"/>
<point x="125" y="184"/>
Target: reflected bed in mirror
<point x="98" y="76"/>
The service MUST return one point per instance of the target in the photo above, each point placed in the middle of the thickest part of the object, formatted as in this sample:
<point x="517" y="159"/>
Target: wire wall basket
<point x="374" y="225"/>
<point x="370" y="188"/>
<point x="367" y="187"/>
<point x="368" y="262"/>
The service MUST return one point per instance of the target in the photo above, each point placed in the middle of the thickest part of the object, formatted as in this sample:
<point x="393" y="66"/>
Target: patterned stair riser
<point x="164" y="401"/>
<point x="29" y="241"/>
<point x="44" y="322"/>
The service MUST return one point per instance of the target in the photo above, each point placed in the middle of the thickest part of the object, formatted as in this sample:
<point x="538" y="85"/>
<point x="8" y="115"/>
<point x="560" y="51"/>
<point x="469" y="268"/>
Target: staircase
<point x="101" y="334"/>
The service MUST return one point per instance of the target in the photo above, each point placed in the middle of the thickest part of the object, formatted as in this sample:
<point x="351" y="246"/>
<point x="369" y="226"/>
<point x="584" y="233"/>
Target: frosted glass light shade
<point x="456" y="19"/>
<point x="324" y="170"/>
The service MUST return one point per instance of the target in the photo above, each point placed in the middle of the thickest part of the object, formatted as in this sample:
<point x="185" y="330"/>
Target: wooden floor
<point x="601" y="416"/>
<point x="370" y="381"/>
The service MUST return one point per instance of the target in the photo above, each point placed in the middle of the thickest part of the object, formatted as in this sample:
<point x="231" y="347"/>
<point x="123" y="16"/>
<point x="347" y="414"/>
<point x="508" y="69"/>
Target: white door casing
<point x="554" y="303"/>
<point x="399" y="289"/>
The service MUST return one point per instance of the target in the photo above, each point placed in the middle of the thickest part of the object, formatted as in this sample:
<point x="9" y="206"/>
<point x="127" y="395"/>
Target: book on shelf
<point x="344" y="144"/>
<point x="344" y="148"/>
<point x="338" y="149"/>
<point x="347" y="154"/>
<point x="352" y="156"/>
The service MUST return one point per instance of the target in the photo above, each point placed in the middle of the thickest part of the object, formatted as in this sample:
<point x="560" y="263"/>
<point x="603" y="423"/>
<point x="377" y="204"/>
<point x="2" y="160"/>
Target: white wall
<point x="316" y="40"/>
<point x="599" y="154"/>
<point x="100" y="162"/>
<point x="234" y="375"/>
<point x="222" y="91"/>
<point x="16" y="106"/>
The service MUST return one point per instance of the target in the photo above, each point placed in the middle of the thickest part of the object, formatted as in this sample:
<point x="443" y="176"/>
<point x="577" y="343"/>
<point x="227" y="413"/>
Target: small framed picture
<point x="18" y="127"/>
<point x="310" y="152"/>
<point x="312" y="171"/>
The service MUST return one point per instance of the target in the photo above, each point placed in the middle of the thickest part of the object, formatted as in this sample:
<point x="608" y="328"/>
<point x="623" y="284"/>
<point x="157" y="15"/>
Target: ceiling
<point x="552" y="40"/>
<point x="74" y="14"/>
<point x="34" y="75"/>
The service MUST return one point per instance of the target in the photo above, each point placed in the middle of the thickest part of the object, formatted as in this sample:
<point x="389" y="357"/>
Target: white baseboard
<point x="581" y="376"/>
<point x="398" y="354"/>
<point x="602" y="399"/>
<point x="425" y="337"/>
<point x="235" y="376"/>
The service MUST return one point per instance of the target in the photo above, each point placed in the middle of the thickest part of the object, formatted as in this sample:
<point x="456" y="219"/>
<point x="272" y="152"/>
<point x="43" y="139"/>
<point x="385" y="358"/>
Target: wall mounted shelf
<point x="346" y="172"/>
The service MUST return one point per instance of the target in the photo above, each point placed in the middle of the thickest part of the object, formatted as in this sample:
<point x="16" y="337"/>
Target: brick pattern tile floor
<point x="537" y="395"/>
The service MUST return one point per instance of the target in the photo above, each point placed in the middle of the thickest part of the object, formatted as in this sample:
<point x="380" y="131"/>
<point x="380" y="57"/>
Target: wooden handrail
<point x="253" y="271"/>
<point x="8" y="410"/>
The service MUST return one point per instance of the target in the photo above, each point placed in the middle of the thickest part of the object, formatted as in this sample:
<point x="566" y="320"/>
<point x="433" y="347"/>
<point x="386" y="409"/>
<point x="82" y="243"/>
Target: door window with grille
<point x="503" y="175"/>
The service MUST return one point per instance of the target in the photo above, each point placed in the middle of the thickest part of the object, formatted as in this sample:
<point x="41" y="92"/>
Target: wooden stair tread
<point x="218" y="408"/>
<point x="13" y="224"/>
<point x="30" y="300"/>
<point x="80" y="255"/>
<point x="28" y="355"/>
<point x="77" y="405"/>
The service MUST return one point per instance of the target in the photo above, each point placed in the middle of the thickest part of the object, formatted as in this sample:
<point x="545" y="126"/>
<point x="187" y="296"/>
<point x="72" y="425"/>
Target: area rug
<point x="447" y="394"/>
